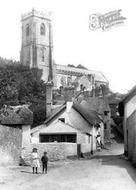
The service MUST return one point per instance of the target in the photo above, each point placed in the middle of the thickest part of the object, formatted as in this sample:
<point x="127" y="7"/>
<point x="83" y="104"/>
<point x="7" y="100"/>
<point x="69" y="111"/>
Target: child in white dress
<point x="35" y="160"/>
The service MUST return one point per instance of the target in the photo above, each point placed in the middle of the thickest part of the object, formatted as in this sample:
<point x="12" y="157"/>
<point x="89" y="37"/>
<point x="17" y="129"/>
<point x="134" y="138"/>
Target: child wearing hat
<point x="35" y="161"/>
<point x="44" y="160"/>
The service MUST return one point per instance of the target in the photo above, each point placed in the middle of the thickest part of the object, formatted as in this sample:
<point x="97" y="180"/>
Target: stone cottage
<point x="14" y="121"/>
<point x="68" y="131"/>
<point x="129" y="125"/>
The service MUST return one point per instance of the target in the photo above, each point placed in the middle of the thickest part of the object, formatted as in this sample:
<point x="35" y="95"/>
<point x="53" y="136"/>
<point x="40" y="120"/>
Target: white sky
<point x="113" y="52"/>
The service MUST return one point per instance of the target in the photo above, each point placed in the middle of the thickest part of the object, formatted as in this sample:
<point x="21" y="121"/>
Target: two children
<point x="36" y="161"/>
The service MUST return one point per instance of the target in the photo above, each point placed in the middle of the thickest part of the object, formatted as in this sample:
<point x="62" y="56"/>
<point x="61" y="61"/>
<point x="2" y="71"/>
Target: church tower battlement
<point x="37" y="42"/>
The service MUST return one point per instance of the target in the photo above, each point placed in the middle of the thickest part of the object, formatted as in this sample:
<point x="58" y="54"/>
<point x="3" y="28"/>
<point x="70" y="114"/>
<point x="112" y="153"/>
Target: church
<point x="37" y="51"/>
<point x="69" y="128"/>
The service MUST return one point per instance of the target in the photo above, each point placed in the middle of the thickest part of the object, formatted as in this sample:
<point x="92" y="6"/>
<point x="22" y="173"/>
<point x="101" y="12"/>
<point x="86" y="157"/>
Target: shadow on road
<point x="119" y="161"/>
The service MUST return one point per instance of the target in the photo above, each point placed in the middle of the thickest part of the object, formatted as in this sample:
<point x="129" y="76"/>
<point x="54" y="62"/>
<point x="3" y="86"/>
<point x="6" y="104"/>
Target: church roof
<point x="79" y="72"/>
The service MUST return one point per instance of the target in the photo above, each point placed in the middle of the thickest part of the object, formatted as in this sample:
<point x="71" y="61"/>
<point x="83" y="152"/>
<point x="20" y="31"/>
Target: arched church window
<point x="43" y="55"/>
<point x="42" y="29"/>
<point x="27" y="30"/>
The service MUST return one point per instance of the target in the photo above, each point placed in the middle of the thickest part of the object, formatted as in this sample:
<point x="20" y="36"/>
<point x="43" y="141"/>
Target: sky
<point x="112" y="52"/>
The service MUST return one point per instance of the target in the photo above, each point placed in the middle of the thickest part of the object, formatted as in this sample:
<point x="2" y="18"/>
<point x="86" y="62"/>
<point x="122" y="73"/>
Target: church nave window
<point x="42" y="29"/>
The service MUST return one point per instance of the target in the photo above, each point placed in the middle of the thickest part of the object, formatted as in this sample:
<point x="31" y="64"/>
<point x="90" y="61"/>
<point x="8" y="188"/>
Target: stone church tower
<point x="37" y="45"/>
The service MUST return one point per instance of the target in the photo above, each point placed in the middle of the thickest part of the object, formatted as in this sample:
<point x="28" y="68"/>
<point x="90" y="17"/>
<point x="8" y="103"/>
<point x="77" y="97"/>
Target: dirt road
<point x="106" y="170"/>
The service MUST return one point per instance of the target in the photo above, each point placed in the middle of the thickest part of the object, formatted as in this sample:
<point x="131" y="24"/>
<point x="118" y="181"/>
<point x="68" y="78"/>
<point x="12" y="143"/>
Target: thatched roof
<point x="97" y="104"/>
<point x="55" y="114"/>
<point x="89" y="115"/>
<point x="16" y="115"/>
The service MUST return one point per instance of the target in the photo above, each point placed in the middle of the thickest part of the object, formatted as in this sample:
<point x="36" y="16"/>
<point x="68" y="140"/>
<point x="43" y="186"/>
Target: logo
<point x="106" y="21"/>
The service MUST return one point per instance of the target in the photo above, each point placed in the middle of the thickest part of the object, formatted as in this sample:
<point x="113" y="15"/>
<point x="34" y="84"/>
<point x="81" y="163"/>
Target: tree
<point x="22" y="85"/>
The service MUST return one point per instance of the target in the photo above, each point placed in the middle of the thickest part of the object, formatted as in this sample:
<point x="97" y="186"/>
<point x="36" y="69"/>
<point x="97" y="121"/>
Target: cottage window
<point x="62" y="120"/>
<point x="47" y="138"/>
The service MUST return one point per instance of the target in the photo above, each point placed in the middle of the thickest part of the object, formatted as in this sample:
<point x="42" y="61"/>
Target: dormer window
<point x="27" y="30"/>
<point x="42" y="29"/>
<point x="62" y="120"/>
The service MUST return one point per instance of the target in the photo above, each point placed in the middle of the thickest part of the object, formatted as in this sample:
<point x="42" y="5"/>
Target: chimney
<point x="49" y="86"/>
<point x="68" y="93"/>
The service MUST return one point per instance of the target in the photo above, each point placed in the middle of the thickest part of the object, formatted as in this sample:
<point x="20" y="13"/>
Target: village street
<point x="106" y="170"/>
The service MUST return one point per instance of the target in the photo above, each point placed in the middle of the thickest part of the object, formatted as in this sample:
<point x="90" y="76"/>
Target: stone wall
<point x="10" y="144"/>
<point x="56" y="151"/>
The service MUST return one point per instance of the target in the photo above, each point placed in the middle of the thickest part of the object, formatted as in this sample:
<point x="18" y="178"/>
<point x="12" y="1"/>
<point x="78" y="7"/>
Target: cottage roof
<point x="87" y="115"/>
<point x="97" y="104"/>
<point x="56" y="113"/>
<point x="91" y="116"/>
<point x="16" y="115"/>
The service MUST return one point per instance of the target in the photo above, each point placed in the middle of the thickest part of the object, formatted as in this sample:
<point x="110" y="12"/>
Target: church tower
<point x="37" y="43"/>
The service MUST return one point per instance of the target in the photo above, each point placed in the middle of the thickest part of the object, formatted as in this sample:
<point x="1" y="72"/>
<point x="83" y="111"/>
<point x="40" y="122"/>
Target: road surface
<point x="106" y="170"/>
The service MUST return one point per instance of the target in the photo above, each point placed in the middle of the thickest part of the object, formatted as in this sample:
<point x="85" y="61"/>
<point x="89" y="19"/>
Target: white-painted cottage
<point x="69" y="131"/>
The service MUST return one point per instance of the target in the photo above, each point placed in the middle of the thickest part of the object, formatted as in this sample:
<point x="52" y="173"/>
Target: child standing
<point x="44" y="160"/>
<point x="35" y="160"/>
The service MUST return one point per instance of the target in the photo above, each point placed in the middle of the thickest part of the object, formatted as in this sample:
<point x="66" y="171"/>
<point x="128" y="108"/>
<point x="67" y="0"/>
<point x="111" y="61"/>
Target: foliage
<point x="22" y="85"/>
